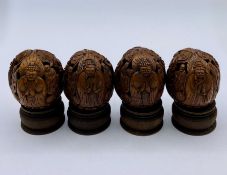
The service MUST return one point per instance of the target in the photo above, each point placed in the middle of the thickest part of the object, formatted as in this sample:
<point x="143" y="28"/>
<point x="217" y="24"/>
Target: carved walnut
<point x="140" y="77"/>
<point x="35" y="78"/>
<point x="88" y="80"/>
<point x="193" y="78"/>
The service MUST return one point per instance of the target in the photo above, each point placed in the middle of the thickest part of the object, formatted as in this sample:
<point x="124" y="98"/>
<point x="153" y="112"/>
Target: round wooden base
<point x="194" y="121"/>
<point x="42" y="121"/>
<point x="88" y="122"/>
<point x="142" y="121"/>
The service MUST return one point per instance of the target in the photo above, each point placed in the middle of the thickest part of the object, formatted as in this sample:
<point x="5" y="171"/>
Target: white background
<point x="111" y="28"/>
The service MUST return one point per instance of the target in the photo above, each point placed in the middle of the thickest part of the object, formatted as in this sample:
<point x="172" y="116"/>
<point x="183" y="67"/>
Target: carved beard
<point x="90" y="74"/>
<point x="146" y="74"/>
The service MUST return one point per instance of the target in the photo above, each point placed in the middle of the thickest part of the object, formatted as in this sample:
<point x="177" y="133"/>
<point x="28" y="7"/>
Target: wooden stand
<point x="194" y="121"/>
<point x="42" y="121"/>
<point x="88" y="122"/>
<point x="142" y="121"/>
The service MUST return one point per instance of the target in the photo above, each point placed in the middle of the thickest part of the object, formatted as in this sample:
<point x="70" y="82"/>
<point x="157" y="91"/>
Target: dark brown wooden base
<point x="88" y="122"/>
<point x="43" y="121"/>
<point x="142" y="121"/>
<point x="194" y="121"/>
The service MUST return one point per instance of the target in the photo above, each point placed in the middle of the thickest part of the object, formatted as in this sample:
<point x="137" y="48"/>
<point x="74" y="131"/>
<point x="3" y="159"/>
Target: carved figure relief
<point x="180" y="79"/>
<point x="89" y="79"/>
<point x="197" y="84"/>
<point x="35" y="78"/>
<point x="91" y="87"/>
<point x="31" y="87"/>
<point x="140" y="77"/>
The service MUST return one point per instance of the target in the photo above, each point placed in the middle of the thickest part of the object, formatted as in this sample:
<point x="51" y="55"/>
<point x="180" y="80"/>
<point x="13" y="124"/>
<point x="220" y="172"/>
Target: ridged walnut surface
<point x="88" y="80"/>
<point x="193" y="78"/>
<point x="139" y="77"/>
<point x="35" y="78"/>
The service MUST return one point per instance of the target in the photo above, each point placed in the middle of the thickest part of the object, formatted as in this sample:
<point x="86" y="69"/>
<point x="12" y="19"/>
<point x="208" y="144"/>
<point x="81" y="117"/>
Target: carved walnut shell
<point x="35" y="78"/>
<point x="88" y="80"/>
<point x="140" y="77"/>
<point x="193" y="78"/>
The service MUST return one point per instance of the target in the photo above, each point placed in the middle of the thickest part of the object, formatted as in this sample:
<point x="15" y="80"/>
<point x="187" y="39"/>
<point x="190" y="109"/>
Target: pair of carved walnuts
<point x="192" y="78"/>
<point x="36" y="78"/>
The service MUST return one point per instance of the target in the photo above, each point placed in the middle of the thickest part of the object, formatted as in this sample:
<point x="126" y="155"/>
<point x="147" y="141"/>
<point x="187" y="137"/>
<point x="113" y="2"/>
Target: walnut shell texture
<point x="88" y="80"/>
<point x="35" y="78"/>
<point x="140" y="77"/>
<point x="193" y="78"/>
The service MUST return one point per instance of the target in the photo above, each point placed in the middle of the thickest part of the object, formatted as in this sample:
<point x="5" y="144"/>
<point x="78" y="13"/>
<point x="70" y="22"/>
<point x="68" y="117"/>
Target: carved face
<point x="145" y="70"/>
<point x="182" y="68"/>
<point x="199" y="74"/>
<point x="31" y="72"/>
<point x="90" y="70"/>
